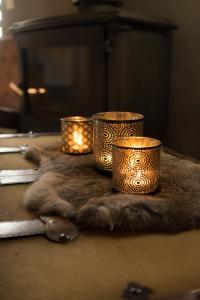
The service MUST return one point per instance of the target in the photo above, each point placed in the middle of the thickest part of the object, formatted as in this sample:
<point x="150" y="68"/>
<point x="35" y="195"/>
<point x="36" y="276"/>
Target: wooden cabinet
<point x="90" y="62"/>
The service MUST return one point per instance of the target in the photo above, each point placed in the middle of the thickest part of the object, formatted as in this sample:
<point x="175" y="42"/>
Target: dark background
<point x="184" y="123"/>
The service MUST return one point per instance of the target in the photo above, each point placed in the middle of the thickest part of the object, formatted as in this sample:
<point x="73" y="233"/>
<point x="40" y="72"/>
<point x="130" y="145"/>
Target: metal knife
<point x="18" y="176"/>
<point x="56" y="229"/>
<point x="135" y="291"/>
<point x="19" y="149"/>
<point x="29" y="134"/>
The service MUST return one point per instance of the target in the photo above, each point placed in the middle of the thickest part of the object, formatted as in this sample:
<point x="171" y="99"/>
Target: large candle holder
<point x="136" y="165"/>
<point x="111" y="125"/>
<point x="77" y="135"/>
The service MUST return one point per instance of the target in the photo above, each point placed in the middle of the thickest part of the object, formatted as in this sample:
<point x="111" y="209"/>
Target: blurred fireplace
<point x="90" y="62"/>
<point x="60" y="80"/>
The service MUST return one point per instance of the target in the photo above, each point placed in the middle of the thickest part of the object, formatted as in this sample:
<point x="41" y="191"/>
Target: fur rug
<point x="71" y="187"/>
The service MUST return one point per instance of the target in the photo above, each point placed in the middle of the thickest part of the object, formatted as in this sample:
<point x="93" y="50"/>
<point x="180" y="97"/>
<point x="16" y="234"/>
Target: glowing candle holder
<point x="77" y="135"/>
<point x="111" y="125"/>
<point x="136" y="164"/>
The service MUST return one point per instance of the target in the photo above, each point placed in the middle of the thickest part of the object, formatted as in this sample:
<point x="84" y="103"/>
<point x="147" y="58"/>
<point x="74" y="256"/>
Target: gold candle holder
<point x="77" y="135"/>
<point x="136" y="164"/>
<point x="111" y="125"/>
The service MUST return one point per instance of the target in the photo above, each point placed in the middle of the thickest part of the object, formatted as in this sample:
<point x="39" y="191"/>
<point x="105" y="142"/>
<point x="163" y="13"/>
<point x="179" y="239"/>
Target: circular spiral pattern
<point x="138" y="183"/>
<point x="105" y="132"/>
<point x="155" y="158"/>
<point x="136" y="171"/>
<point x="104" y="157"/>
<point x="130" y="131"/>
<point x="118" y="159"/>
<point x="139" y="160"/>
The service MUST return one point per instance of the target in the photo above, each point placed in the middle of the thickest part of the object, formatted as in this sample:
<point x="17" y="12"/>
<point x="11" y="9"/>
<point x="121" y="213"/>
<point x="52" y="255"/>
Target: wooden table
<point x="96" y="266"/>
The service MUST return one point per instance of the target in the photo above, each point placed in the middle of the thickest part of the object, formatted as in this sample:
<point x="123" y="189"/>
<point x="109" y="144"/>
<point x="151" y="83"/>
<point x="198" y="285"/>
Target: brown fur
<point x="71" y="187"/>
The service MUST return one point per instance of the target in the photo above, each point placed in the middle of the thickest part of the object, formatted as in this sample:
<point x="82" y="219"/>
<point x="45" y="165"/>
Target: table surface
<point x="96" y="266"/>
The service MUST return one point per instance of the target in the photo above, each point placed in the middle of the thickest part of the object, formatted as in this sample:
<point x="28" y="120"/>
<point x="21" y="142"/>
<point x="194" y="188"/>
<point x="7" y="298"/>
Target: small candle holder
<point x="77" y="135"/>
<point x="111" y="125"/>
<point x="136" y="163"/>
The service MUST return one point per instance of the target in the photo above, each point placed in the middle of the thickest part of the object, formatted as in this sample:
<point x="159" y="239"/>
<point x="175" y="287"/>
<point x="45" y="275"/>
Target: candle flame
<point x="78" y="138"/>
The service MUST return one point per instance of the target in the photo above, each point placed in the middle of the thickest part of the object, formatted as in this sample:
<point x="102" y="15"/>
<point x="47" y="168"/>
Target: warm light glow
<point x="119" y="116"/>
<point x="109" y="126"/>
<point x="78" y="138"/>
<point x="137" y="142"/>
<point x="0" y="15"/>
<point x="136" y="165"/>
<point x="16" y="89"/>
<point x="42" y="91"/>
<point x="32" y="91"/>
<point x="77" y="135"/>
<point x="139" y="174"/>
<point x="1" y="32"/>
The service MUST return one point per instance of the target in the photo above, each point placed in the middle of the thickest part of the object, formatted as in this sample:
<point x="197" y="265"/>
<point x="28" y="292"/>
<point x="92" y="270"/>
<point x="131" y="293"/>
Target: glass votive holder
<point x="77" y="135"/>
<point x="136" y="163"/>
<point x="111" y="125"/>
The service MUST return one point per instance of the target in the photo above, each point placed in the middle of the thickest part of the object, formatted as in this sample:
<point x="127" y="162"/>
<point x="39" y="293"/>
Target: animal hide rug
<point x="70" y="186"/>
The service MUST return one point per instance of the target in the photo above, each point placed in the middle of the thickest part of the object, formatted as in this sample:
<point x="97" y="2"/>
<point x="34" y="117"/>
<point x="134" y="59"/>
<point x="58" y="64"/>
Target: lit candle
<point x="111" y="125"/>
<point x="136" y="164"/>
<point x="77" y="135"/>
<point x="78" y="140"/>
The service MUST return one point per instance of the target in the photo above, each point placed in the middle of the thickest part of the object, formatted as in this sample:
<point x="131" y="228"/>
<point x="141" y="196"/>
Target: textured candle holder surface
<point x="111" y="125"/>
<point x="136" y="164"/>
<point x="77" y="135"/>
